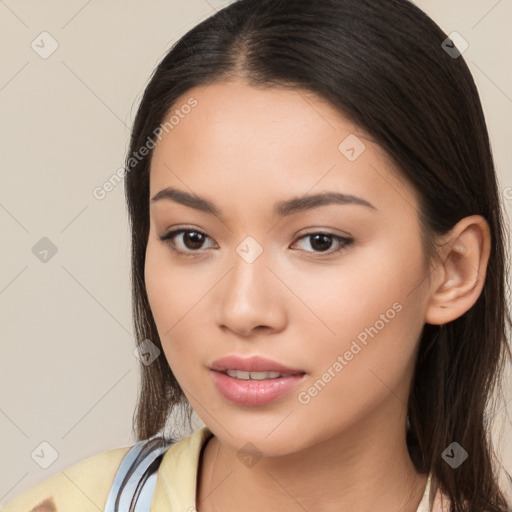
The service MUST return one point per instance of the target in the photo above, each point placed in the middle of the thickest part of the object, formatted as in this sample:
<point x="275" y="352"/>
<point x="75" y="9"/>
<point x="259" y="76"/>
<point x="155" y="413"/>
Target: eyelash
<point x="168" y="240"/>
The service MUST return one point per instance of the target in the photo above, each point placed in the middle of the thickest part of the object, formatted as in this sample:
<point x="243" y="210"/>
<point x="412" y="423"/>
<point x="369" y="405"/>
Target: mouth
<point x="254" y="392"/>
<point x="244" y="375"/>
<point x="253" y="381"/>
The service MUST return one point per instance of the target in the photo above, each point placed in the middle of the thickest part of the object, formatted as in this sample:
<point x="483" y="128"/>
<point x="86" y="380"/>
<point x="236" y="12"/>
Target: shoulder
<point x="83" y="486"/>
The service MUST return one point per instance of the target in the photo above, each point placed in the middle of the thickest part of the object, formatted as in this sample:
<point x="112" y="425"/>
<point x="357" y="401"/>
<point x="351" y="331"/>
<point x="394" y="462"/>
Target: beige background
<point x="68" y="375"/>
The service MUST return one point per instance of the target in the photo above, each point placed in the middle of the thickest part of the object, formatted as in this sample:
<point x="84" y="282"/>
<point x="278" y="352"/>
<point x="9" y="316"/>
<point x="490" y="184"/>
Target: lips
<point x="253" y="381"/>
<point x="252" y="364"/>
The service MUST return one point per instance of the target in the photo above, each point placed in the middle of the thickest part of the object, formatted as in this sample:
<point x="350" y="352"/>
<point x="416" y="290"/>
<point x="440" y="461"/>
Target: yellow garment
<point x="85" y="486"/>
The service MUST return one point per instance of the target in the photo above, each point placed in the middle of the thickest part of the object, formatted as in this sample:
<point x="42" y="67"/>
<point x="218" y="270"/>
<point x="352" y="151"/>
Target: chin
<point x="263" y="435"/>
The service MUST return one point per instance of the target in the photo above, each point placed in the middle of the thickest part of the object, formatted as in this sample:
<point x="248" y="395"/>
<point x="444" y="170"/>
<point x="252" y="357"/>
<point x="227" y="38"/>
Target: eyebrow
<point x="281" y="209"/>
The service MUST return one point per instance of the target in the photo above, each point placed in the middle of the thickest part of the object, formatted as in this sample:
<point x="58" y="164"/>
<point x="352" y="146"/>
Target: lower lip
<point x="254" y="392"/>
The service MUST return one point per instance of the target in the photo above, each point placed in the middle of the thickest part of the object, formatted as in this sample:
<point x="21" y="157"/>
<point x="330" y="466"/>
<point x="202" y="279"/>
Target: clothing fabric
<point x="169" y="484"/>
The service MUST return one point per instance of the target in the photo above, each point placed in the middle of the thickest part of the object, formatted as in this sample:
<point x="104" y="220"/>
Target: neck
<point x="354" y="470"/>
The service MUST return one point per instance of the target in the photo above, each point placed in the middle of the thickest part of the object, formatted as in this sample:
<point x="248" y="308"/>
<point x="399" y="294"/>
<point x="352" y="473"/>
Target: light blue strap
<point x="135" y="455"/>
<point x="128" y="491"/>
<point x="146" y="496"/>
<point x="125" y="465"/>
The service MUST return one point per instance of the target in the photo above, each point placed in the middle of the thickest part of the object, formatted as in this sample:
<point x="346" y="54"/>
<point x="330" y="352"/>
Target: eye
<point x="322" y="242"/>
<point x="193" y="240"/>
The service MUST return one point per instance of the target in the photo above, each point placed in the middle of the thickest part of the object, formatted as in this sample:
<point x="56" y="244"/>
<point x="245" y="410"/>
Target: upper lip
<point x="251" y="364"/>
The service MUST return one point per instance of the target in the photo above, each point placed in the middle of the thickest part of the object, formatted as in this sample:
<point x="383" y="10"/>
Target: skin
<point x="244" y="149"/>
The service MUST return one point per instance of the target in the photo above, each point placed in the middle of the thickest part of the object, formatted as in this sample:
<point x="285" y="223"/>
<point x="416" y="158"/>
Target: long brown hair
<point x="383" y="65"/>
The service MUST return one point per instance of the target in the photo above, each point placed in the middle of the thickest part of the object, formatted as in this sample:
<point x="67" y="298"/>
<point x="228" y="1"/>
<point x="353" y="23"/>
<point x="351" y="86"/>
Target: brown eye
<point x="321" y="242"/>
<point x="192" y="241"/>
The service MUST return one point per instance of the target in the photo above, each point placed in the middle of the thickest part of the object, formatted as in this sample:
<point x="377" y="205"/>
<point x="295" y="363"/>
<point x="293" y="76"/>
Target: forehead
<point x="269" y="142"/>
<point x="228" y="114"/>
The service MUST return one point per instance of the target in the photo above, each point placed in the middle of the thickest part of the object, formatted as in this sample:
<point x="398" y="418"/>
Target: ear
<point x="460" y="270"/>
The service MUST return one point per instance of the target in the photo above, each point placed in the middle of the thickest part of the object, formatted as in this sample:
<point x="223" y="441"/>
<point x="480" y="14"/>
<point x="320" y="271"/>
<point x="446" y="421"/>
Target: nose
<point x="250" y="299"/>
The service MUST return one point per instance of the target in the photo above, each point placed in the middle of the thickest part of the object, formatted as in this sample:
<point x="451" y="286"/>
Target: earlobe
<point x="460" y="271"/>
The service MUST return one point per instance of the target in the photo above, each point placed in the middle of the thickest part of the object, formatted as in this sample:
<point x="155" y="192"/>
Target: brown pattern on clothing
<point x="48" y="505"/>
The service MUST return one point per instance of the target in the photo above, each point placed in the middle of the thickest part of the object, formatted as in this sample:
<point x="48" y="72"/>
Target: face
<point x="334" y="291"/>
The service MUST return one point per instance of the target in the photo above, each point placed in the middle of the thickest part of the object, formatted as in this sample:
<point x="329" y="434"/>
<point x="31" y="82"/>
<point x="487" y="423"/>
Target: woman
<point x="318" y="256"/>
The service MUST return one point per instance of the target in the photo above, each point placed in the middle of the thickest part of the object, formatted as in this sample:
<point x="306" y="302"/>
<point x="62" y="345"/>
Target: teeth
<point x="239" y="374"/>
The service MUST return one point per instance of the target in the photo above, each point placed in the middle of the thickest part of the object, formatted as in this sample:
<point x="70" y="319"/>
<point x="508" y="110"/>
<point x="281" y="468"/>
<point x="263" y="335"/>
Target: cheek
<point x="172" y="291"/>
<point x="369" y="313"/>
<point x="157" y="287"/>
<point x="371" y="286"/>
<point x="177" y="297"/>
